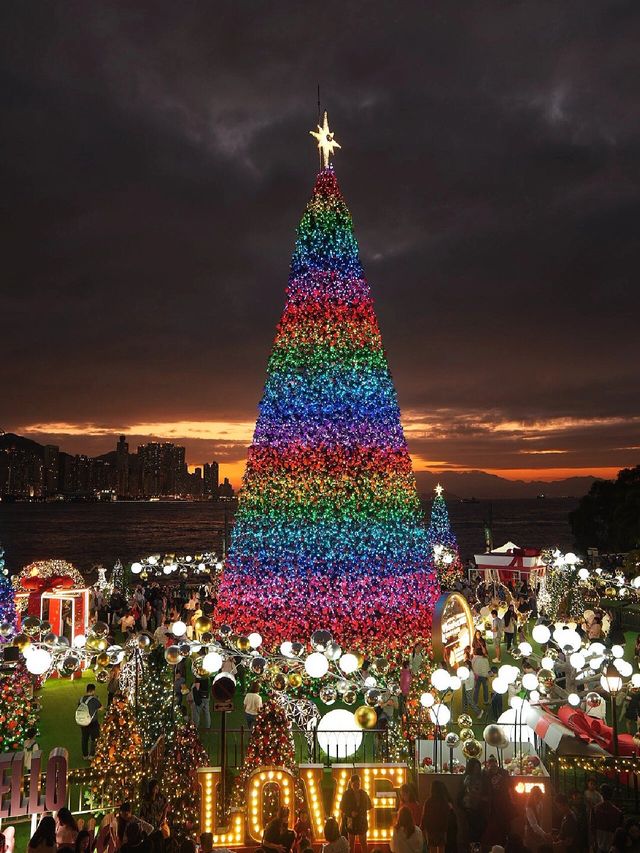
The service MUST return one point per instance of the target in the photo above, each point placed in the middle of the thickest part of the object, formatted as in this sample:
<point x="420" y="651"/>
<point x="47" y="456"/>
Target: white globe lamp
<point x="316" y="665"/>
<point x="339" y="736"/>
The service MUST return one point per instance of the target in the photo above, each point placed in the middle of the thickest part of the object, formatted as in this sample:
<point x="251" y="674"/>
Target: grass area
<point x="59" y="698"/>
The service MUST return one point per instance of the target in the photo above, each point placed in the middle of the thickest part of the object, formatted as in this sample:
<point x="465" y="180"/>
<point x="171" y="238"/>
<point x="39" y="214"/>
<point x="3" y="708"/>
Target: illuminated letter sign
<point x="13" y="803"/>
<point x="231" y="836"/>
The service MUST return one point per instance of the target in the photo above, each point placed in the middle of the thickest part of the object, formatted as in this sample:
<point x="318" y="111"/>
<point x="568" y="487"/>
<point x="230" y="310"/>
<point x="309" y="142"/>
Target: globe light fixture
<point x="440" y="679"/>
<point x="178" y="629"/>
<point x="541" y="634"/>
<point x="136" y="568"/>
<point x="339" y="736"/>
<point x="211" y="662"/>
<point x="439" y="714"/>
<point x="38" y="661"/>
<point x="463" y="673"/>
<point x="286" y="649"/>
<point x="526" y="648"/>
<point x="571" y="559"/>
<point x="316" y="665"/>
<point x="499" y="685"/>
<point x="255" y="640"/>
<point x="623" y="666"/>
<point x="617" y="651"/>
<point x="427" y="700"/>
<point x="577" y="660"/>
<point x="348" y="663"/>
<point x="455" y="683"/>
<point x="529" y="681"/>
<point x="573" y="699"/>
<point x="79" y="641"/>
<point x="547" y="663"/>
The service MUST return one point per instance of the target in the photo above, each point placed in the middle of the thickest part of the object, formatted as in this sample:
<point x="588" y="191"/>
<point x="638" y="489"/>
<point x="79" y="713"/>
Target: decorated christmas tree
<point x="118" y="763"/>
<point x="7" y="602"/>
<point x="270" y="745"/>
<point x="444" y="545"/>
<point x="18" y="708"/>
<point x="155" y="712"/>
<point x="329" y="530"/>
<point x="180" y="778"/>
<point x="117" y="578"/>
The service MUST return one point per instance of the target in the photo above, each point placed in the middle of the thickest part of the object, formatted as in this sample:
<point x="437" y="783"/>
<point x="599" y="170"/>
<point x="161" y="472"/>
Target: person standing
<point x="113" y="685"/>
<point x="480" y="666"/>
<point x="406" y="836"/>
<point x="29" y="747"/>
<point x="201" y="693"/>
<point x="252" y="705"/>
<point x="409" y="800"/>
<point x="405" y="684"/>
<point x="534" y="834"/>
<point x="510" y="622"/>
<point x="354" y="808"/>
<point x="436" y="817"/>
<point x="87" y="719"/>
<point x="606" y="819"/>
<point x="497" y="626"/>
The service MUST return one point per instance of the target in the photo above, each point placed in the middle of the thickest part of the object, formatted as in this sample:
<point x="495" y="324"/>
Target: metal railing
<point x="315" y="747"/>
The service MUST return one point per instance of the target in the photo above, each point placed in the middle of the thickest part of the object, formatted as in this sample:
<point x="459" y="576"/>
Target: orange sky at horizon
<point x="227" y="442"/>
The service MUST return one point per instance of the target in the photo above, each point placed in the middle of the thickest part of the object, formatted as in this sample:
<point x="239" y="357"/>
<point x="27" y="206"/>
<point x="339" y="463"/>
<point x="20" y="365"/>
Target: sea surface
<point x="90" y="534"/>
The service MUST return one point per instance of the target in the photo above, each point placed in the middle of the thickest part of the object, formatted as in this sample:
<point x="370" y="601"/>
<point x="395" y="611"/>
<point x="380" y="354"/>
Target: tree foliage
<point x="608" y="516"/>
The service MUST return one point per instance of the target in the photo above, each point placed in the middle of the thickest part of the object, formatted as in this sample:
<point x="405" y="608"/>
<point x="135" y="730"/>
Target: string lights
<point x="328" y="533"/>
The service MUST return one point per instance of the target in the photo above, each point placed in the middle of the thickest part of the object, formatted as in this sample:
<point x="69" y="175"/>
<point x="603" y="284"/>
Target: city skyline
<point x="494" y="201"/>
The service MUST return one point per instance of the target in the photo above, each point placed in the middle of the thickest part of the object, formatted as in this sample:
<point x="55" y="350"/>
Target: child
<point x="302" y="830"/>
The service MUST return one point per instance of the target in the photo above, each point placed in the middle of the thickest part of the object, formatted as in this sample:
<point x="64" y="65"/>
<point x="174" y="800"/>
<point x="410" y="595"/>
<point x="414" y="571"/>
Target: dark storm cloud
<point x="156" y="160"/>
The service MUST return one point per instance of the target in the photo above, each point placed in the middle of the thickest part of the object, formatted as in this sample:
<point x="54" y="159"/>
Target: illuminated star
<point x="438" y="490"/>
<point x="326" y="142"/>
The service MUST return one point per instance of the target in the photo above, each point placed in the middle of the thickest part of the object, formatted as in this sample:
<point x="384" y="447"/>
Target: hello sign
<point x="14" y="802"/>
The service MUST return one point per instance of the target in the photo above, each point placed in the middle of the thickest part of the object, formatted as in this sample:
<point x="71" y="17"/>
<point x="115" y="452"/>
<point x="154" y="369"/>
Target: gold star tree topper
<point x="438" y="490"/>
<point x="326" y="142"/>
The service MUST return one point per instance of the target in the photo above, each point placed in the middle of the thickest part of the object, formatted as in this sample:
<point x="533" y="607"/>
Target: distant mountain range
<point x="479" y="484"/>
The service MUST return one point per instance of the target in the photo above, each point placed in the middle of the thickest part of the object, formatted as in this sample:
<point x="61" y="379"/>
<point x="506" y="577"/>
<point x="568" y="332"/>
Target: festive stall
<point x="54" y="592"/>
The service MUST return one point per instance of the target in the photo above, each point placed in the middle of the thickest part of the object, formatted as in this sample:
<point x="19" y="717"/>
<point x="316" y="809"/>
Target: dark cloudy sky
<point x="155" y="160"/>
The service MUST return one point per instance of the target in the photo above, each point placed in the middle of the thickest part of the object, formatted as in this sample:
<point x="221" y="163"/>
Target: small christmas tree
<point x="118" y="762"/>
<point x="18" y="709"/>
<point x="117" y="577"/>
<point x="155" y="710"/>
<point x="270" y="745"/>
<point x="443" y="543"/>
<point x="7" y="601"/>
<point x="180" y="778"/>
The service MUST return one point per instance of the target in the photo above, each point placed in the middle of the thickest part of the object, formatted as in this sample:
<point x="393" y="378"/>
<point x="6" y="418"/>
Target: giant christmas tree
<point x="443" y="542"/>
<point x="329" y="533"/>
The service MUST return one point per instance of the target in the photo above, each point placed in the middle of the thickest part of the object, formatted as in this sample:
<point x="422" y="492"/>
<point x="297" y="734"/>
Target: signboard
<point x="17" y="798"/>
<point x="452" y="628"/>
<point x="224" y="706"/>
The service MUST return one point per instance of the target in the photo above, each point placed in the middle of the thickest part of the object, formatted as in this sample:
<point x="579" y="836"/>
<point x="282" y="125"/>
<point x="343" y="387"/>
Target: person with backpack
<point x="87" y="719"/>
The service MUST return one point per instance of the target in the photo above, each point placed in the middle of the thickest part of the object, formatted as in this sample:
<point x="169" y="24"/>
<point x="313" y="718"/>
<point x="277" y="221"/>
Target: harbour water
<point x="88" y="534"/>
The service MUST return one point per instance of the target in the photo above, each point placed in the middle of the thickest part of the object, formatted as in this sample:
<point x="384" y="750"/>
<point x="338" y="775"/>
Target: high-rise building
<point x="51" y="455"/>
<point x="122" y="466"/>
<point x="211" y="478"/>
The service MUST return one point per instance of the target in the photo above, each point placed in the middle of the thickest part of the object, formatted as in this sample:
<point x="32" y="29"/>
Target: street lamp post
<point x="611" y="681"/>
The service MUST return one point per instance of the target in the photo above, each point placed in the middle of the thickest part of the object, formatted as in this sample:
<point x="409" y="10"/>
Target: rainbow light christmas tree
<point x="444" y="545"/>
<point x="329" y="532"/>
